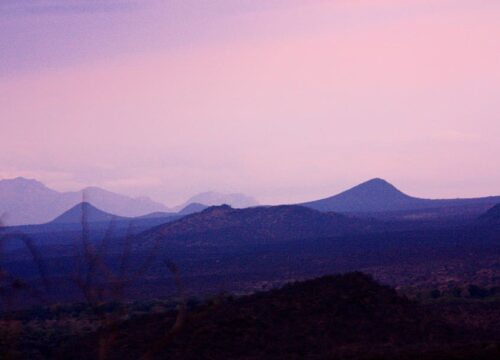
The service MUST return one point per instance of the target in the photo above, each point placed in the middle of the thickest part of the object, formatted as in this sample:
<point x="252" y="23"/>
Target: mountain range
<point x="27" y="201"/>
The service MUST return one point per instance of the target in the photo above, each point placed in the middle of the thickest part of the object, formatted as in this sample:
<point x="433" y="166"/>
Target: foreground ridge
<point x="338" y="316"/>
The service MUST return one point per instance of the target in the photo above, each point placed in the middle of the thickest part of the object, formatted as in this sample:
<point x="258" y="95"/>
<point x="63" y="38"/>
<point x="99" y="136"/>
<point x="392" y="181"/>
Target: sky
<point x="284" y="100"/>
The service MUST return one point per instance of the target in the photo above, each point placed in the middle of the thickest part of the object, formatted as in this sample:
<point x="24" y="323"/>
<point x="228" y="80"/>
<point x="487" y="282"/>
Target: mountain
<point x="373" y="195"/>
<point x="212" y="198"/>
<point x="377" y="195"/>
<point x="119" y="204"/>
<point x="192" y="208"/>
<point x="92" y="214"/>
<point x="188" y="210"/>
<point x="220" y="225"/>
<point x="27" y="201"/>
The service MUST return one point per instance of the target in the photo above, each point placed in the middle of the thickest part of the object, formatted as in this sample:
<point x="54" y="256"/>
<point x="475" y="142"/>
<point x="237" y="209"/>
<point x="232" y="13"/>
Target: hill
<point x="92" y="215"/>
<point x="192" y="208"/>
<point x="212" y="198"/>
<point x="377" y="195"/>
<point x="28" y="201"/>
<point x="224" y="225"/>
<point x="333" y="317"/>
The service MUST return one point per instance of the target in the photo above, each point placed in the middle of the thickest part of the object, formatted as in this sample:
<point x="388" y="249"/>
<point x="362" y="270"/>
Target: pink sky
<point x="284" y="100"/>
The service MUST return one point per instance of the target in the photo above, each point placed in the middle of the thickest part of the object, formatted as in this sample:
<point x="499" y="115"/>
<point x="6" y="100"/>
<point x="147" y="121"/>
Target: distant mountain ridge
<point x="378" y="195"/>
<point x="192" y="208"/>
<point x="28" y="201"/>
<point x="188" y="210"/>
<point x="212" y="198"/>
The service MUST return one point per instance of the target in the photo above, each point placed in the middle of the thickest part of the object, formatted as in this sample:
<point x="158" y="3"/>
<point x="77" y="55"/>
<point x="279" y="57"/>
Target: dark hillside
<point x="333" y="317"/>
<point x="224" y="225"/>
<point x="492" y="216"/>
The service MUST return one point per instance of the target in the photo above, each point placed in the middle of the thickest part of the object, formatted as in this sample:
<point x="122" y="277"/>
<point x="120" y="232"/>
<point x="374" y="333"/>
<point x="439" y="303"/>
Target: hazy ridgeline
<point x="90" y="280"/>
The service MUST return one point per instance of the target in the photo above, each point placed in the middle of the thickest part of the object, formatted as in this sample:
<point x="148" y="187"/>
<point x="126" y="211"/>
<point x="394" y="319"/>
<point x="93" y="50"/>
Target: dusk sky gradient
<point x="285" y="100"/>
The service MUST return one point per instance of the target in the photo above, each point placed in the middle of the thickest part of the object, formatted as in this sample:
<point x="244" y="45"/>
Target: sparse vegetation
<point x="36" y="333"/>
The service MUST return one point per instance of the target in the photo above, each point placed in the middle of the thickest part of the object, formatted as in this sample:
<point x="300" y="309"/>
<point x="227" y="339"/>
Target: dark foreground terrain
<point x="333" y="317"/>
